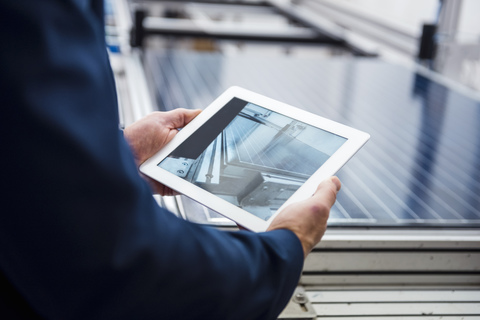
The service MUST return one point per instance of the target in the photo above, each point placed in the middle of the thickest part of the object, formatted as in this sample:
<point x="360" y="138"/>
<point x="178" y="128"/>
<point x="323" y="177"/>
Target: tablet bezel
<point x="355" y="140"/>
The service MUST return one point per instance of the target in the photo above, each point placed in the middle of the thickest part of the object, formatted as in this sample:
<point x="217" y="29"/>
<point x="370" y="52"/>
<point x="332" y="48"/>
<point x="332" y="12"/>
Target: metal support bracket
<point x="299" y="307"/>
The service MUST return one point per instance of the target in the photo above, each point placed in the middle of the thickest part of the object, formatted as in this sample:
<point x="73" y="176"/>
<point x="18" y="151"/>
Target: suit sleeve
<point x="80" y="234"/>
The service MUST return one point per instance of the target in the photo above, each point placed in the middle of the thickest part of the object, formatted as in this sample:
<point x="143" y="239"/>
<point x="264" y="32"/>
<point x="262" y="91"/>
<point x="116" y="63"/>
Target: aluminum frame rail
<point x="305" y="30"/>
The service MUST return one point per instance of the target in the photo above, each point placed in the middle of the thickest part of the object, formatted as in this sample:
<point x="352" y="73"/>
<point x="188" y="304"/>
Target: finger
<point x="163" y="190"/>
<point x="159" y="188"/>
<point x="191" y="115"/>
<point x="326" y="192"/>
<point x="179" y="118"/>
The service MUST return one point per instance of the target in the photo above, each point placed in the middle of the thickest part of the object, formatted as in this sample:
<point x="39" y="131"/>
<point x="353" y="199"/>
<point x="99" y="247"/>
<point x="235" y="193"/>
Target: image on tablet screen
<point x="252" y="157"/>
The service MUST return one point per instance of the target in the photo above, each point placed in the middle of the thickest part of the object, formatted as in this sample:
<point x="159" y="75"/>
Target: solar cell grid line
<point x="384" y="192"/>
<point x="331" y="78"/>
<point x="364" y="198"/>
<point x="387" y="189"/>
<point x="322" y="83"/>
<point x="372" y="195"/>
<point x="457" y="200"/>
<point x="364" y="193"/>
<point x="270" y="158"/>
<point x="465" y="177"/>
<point x="416" y="182"/>
<point x="154" y="71"/>
<point x="241" y="148"/>
<point x="341" y="210"/>
<point x="336" y="215"/>
<point x="351" y="197"/>
<point x="460" y="157"/>
<point x="386" y="164"/>
<point x="326" y="105"/>
<point x="421" y="206"/>
<point x="273" y="75"/>
<point x="394" y="206"/>
<point x="195" y="97"/>
<point x="253" y="148"/>
<point x="240" y="133"/>
<point x="210" y="67"/>
<point x="193" y="81"/>
<point x="435" y="178"/>
<point x="468" y="110"/>
<point x="285" y="93"/>
<point x="445" y="136"/>
<point x="391" y="109"/>
<point x="174" y="87"/>
<point x="384" y="90"/>
<point x="388" y="128"/>
<point x="459" y="148"/>
<point x="449" y="174"/>
<point x="210" y="71"/>
<point x="272" y="82"/>
<point x="353" y="208"/>
<point x="374" y="92"/>
<point x="258" y="75"/>
<point x="387" y="111"/>
<point x="401" y="186"/>
<point x="397" y="158"/>
<point x="362" y="102"/>
<point x="205" y="69"/>
<point x="182" y="76"/>
<point x="457" y="106"/>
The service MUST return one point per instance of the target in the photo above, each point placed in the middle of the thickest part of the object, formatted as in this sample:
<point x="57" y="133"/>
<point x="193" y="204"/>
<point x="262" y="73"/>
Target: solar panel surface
<point x="421" y="166"/>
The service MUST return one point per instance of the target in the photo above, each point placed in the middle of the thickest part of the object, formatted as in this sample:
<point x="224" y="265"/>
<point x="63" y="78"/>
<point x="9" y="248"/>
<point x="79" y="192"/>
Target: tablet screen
<point x="251" y="156"/>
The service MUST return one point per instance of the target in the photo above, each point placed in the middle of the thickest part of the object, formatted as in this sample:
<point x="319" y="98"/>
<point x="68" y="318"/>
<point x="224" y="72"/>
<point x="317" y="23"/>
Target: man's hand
<point x="308" y="218"/>
<point x="150" y="134"/>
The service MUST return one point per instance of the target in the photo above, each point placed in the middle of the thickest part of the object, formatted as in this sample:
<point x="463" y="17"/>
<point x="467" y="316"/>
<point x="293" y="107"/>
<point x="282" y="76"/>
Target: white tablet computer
<point x="247" y="156"/>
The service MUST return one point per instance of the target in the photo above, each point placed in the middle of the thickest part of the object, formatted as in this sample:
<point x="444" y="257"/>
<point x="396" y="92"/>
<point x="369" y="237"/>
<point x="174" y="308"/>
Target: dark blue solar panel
<point x="421" y="166"/>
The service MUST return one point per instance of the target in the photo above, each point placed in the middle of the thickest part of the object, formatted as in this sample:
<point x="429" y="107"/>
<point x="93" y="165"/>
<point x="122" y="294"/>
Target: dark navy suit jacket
<point x="80" y="234"/>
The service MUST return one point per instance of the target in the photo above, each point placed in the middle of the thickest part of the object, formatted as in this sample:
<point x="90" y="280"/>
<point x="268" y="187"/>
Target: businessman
<point x="80" y="235"/>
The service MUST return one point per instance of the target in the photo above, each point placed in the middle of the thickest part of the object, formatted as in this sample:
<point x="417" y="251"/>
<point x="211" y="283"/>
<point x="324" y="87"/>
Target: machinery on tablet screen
<point x="258" y="161"/>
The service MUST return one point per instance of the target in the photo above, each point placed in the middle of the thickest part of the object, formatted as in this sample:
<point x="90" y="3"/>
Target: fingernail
<point x="337" y="182"/>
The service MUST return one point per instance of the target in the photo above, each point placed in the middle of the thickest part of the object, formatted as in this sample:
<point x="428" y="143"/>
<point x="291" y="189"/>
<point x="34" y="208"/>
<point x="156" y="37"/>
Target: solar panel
<point x="421" y="166"/>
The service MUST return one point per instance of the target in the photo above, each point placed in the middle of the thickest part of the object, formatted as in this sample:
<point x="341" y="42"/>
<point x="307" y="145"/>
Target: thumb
<point x="179" y="118"/>
<point x="326" y="192"/>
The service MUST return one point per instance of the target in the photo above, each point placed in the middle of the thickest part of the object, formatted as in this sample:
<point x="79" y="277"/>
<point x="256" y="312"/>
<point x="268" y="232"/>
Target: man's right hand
<point x="148" y="135"/>
<point x="308" y="218"/>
